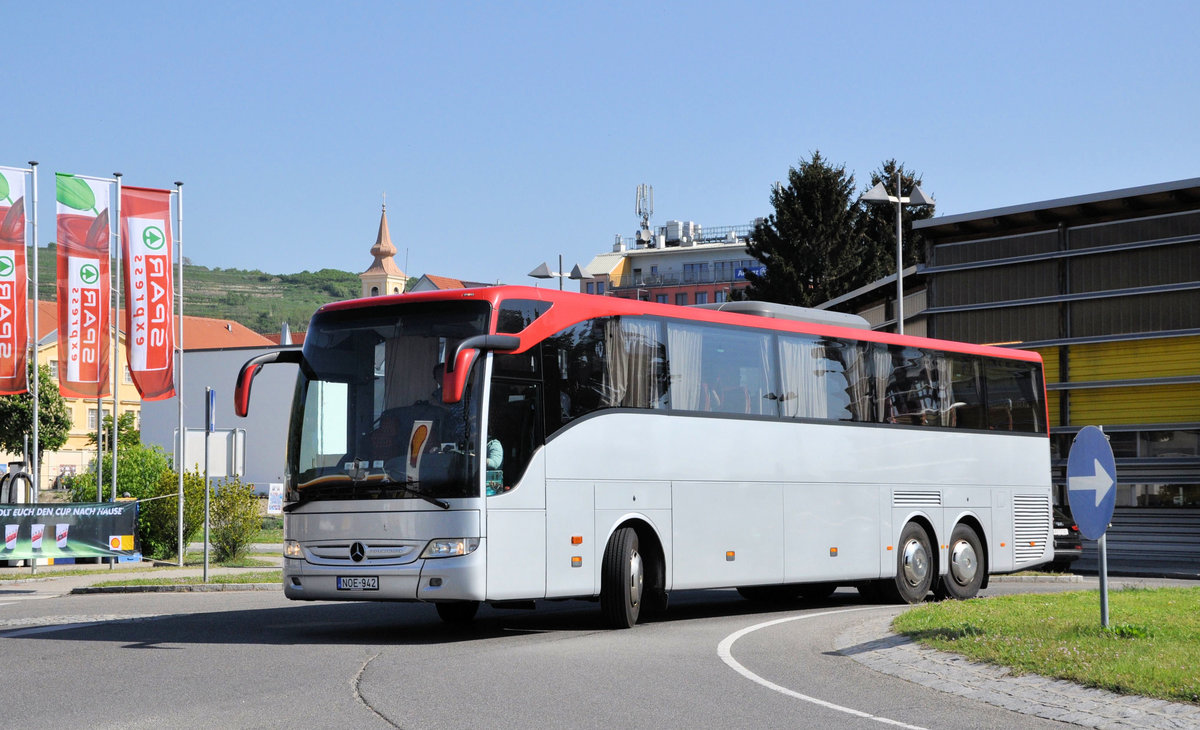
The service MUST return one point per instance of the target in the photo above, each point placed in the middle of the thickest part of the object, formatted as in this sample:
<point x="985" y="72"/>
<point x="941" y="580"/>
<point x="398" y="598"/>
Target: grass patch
<point x="45" y="571"/>
<point x="262" y="576"/>
<point x="1151" y="646"/>
<point x="269" y="535"/>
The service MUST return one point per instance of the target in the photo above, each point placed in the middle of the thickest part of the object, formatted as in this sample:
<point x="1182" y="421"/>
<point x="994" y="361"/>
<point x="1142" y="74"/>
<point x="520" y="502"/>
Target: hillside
<point x="262" y="302"/>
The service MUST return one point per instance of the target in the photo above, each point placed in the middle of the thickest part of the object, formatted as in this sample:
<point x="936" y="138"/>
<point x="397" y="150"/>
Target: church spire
<point x="383" y="276"/>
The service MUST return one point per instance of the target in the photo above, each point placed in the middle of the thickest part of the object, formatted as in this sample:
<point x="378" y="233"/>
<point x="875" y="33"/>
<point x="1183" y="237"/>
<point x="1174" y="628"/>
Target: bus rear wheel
<point x="622" y="577"/>
<point x="460" y="612"/>
<point x="914" y="567"/>
<point x="965" y="572"/>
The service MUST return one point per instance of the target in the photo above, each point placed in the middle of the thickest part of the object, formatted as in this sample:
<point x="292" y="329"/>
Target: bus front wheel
<point x="966" y="570"/>
<point x="621" y="580"/>
<point x="914" y="566"/>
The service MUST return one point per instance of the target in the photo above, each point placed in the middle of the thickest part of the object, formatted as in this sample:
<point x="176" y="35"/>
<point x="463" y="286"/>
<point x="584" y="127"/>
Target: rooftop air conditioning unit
<point x="674" y="230"/>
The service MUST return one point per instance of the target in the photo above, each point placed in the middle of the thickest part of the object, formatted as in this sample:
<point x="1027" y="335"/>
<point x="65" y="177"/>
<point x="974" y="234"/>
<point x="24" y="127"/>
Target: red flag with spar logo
<point x="84" y="290"/>
<point x="14" y="327"/>
<point x="149" y="311"/>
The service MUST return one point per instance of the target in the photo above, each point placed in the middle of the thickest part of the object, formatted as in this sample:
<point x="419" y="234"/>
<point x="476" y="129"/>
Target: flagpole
<point x="116" y="336"/>
<point x="33" y="387"/>
<point x="179" y="458"/>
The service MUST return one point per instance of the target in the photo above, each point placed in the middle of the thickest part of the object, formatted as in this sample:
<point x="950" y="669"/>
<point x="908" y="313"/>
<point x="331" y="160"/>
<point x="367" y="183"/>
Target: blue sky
<point x="505" y="134"/>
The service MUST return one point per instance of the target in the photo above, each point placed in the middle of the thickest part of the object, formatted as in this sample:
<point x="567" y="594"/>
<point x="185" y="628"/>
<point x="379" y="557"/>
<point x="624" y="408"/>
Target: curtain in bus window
<point x="408" y="370"/>
<point x="856" y="359"/>
<point x="761" y="403"/>
<point x="802" y="375"/>
<point x="631" y="378"/>
<point x="944" y="388"/>
<point x="881" y="361"/>
<point x="685" y="345"/>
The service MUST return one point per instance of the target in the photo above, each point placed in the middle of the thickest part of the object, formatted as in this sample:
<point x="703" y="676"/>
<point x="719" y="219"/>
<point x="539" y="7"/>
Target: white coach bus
<point x="509" y="444"/>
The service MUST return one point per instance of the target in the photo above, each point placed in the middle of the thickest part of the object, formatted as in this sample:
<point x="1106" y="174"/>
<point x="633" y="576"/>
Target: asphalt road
<point x="254" y="659"/>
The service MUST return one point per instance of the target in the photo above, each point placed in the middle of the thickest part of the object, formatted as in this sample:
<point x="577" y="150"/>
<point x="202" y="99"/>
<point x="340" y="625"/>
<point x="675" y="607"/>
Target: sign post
<point x="210" y="402"/>
<point x="1091" y="490"/>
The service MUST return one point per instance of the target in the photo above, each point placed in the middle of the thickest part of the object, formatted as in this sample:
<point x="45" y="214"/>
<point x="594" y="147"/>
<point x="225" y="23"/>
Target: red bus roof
<point x="573" y="307"/>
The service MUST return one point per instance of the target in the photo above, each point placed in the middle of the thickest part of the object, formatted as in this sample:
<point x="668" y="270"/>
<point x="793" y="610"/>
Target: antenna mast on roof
<point x="645" y="209"/>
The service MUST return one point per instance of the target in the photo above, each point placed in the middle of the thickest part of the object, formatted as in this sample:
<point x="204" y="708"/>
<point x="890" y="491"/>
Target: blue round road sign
<point x="1091" y="482"/>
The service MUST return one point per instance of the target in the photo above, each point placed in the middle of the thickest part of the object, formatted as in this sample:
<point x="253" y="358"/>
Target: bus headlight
<point x="291" y="549"/>
<point x="450" y="547"/>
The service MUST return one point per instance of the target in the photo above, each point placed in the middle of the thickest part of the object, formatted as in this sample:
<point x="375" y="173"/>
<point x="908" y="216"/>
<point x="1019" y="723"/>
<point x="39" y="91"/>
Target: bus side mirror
<point x="241" y="392"/>
<point x="454" y="381"/>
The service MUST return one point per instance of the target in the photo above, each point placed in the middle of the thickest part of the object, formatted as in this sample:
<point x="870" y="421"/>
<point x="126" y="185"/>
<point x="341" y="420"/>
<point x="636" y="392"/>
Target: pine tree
<point x="879" y="225"/>
<point x="811" y="246"/>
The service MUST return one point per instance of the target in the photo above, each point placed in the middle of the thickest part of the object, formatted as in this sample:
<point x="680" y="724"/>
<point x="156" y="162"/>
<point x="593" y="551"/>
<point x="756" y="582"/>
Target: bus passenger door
<point x="516" y="489"/>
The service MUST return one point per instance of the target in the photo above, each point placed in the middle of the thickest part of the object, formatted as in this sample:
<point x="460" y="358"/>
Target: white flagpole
<point x="116" y="335"/>
<point x="33" y="387"/>
<point x="179" y="456"/>
<point x="100" y="398"/>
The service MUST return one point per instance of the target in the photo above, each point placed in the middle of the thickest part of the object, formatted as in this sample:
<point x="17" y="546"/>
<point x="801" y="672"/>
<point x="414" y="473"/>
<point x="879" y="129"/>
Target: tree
<point x="127" y="434"/>
<point x="879" y="225"/>
<point x="139" y="469"/>
<point x="16" y="417"/>
<point x="811" y="245"/>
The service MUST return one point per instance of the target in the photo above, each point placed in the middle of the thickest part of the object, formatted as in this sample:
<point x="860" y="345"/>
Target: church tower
<point x="383" y="276"/>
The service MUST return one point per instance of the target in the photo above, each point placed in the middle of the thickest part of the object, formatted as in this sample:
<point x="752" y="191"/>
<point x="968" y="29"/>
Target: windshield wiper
<point x="411" y="488"/>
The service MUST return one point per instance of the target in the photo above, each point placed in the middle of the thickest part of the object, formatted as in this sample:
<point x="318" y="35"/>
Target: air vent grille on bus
<point x="916" y="499"/>
<point x="1031" y="526"/>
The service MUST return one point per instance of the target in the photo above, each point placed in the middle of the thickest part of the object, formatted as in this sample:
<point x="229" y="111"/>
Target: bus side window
<point x="1014" y="397"/>
<point x="964" y="393"/>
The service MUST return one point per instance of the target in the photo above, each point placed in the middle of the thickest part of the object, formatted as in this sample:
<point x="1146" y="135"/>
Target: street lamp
<point x="879" y="194"/>
<point x="544" y="272"/>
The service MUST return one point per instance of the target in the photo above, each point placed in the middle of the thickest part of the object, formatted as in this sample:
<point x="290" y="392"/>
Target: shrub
<point x="158" y="519"/>
<point x="234" y="519"/>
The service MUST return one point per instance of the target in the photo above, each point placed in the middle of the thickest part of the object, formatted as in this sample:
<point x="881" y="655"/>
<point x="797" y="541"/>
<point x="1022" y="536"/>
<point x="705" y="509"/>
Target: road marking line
<point x="724" y="650"/>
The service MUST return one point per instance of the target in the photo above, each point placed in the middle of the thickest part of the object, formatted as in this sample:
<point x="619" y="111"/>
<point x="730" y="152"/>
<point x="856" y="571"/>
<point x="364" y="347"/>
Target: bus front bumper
<point x="461" y="578"/>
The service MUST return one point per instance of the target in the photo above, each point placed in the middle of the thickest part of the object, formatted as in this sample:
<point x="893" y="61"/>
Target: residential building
<point x="429" y="282"/>
<point x="679" y="263"/>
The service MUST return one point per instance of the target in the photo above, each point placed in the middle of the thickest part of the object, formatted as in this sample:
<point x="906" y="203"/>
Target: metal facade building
<point x="1107" y="288"/>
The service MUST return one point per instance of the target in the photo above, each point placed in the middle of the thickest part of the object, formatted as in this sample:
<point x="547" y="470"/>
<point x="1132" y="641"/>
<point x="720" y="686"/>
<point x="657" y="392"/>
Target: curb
<point x="185" y="588"/>
<point x="1067" y="578"/>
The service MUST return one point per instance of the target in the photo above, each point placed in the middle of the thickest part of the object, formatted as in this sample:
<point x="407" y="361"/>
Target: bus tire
<point x="457" y="612"/>
<point x="914" y="567"/>
<point x="622" y="579"/>
<point x="966" y="569"/>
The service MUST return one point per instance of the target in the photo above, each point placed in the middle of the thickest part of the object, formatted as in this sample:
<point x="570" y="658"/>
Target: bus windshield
<point x="368" y="418"/>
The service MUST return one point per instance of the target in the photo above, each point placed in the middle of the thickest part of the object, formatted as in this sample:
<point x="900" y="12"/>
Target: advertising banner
<point x="84" y="290"/>
<point x="149" y="308"/>
<point x="74" y="530"/>
<point x="14" y="326"/>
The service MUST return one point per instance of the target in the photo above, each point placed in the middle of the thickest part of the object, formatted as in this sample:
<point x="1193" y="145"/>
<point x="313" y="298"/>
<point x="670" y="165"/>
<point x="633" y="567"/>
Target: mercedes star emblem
<point x="357" y="552"/>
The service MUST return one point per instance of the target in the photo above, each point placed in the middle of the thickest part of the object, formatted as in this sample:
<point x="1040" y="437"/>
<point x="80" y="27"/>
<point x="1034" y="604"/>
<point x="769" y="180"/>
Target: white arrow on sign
<point x="1100" y="481"/>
